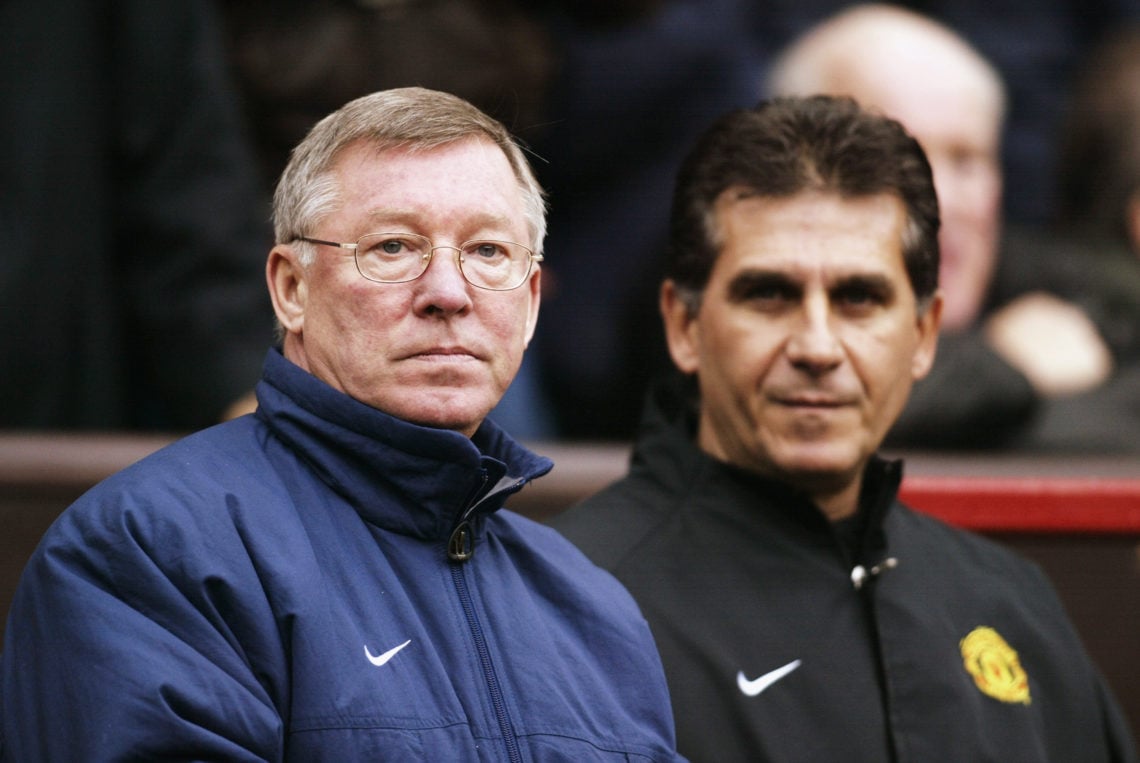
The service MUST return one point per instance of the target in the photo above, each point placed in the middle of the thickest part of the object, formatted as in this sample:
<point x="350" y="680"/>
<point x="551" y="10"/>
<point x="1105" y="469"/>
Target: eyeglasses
<point x="402" y="257"/>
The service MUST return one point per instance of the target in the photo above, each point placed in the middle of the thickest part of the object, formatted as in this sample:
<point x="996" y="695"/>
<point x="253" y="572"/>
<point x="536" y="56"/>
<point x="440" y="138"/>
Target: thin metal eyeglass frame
<point x="354" y="246"/>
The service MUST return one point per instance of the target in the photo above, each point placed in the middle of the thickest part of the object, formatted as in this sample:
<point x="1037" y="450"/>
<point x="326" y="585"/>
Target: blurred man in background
<point x="998" y="365"/>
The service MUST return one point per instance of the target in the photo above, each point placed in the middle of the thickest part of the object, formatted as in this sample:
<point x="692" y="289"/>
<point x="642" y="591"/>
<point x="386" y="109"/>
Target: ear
<point x="534" y="285"/>
<point x="927" y="325"/>
<point x="288" y="287"/>
<point x="680" y="329"/>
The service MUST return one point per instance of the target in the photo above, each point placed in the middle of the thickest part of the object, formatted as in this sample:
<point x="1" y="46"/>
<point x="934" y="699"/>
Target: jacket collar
<point x="403" y="477"/>
<point x="666" y="447"/>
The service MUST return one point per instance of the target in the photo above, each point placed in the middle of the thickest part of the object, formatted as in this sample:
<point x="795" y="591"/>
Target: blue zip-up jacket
<point x="321" y="581"/>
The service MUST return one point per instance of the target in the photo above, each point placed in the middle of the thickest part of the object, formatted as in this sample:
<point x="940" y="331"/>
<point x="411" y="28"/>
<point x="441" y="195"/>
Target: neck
<point x="837" y="505"/>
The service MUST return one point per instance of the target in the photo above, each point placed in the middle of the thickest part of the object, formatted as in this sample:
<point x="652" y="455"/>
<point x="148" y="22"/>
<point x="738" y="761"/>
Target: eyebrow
<point x="875" y="282"/>
<point x="746" y="281"/>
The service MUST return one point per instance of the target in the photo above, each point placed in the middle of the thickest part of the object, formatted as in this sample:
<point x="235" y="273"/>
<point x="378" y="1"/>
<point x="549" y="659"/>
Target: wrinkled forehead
<point x="472" y="174"/>
<point x="817" y="223"/>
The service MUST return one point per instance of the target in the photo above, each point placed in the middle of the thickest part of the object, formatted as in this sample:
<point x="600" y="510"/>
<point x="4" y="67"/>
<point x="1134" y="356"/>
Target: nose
<point x="813" y="345"/>
<point x="442" y="289"/>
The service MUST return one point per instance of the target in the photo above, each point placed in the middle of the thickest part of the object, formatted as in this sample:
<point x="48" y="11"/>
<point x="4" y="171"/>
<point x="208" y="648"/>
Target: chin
<point x="821" y="465"/>
<point x="457" y="423"/>
<point x="440" y="410"/>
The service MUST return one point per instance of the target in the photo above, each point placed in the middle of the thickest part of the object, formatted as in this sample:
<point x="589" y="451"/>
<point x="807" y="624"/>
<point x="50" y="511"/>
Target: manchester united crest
<point x="994" y="666"/>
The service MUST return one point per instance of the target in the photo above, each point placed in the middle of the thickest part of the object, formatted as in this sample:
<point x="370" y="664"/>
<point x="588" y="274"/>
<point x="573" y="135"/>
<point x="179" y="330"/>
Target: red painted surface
<point x="1029" y="504"/>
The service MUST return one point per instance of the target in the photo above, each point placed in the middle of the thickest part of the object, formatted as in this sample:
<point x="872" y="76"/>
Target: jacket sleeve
<point x="130" y="639"/>
<point x="1118" y="733"/>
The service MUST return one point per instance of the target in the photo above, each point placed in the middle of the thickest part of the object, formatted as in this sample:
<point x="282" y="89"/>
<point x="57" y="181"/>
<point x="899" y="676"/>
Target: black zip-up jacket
<point x="787" y="638"/>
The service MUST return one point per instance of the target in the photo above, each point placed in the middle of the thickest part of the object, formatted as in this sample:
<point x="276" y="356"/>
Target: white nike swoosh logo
<point x="754" y="687"/>
<point x="378" y="661"/>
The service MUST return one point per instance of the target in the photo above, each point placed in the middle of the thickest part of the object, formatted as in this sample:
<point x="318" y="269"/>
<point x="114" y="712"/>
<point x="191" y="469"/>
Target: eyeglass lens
<point x="396" y="257"/>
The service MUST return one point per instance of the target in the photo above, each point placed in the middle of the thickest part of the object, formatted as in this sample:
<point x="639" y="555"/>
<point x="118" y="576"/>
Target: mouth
<point x="812" y="401"/>
<point x="443" y="355"/>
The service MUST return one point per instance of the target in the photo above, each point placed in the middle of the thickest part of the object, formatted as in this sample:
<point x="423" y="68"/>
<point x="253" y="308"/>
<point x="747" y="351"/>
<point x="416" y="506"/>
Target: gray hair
<point x="412" y="118"/>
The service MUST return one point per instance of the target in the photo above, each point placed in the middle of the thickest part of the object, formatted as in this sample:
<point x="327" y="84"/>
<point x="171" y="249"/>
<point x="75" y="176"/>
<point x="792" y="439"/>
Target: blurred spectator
<point x="132" y="289"/>
<point x="1099" y="158"/>
<point x="1034" y="44"/>
<point x="1092" y="254"/>
<point x="996" y="367"/>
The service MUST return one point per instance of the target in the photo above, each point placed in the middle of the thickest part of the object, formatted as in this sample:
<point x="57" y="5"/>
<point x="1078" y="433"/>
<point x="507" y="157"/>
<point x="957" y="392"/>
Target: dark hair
<point x="787" y="145"/>
<point x="1099" y="157"/>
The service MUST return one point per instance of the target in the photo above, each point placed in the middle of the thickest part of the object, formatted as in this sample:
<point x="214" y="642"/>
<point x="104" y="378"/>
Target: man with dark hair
<point x="801" y="611"/>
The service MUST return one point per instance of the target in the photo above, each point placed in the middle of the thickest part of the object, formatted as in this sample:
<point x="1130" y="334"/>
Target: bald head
<point x="947" y="95"/>
<point x="888" y="58"/>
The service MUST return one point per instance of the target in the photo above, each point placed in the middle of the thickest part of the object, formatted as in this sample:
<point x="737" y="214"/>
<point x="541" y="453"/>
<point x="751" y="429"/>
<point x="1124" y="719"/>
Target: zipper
<point x="506" y="728"/>
<point x="461" y="543"/>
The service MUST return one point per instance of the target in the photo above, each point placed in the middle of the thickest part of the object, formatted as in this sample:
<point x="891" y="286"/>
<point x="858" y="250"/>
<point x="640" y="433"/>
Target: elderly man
<point x="802" y="613"/>
<point x="1006" y="354"/>
<point x="329" y="578"/>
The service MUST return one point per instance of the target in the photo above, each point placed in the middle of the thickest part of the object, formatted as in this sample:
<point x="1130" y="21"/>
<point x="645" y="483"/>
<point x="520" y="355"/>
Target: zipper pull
<point x="861" y="574"/>
<point x="461" y="544"/>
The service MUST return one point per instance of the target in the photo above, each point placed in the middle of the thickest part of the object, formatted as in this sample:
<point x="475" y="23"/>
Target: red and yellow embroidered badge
<point x="994" y="665"/>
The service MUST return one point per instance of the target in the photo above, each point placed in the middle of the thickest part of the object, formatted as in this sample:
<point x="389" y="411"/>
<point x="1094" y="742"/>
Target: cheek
<point x="508" y="323"/>
<point x="356" y="316"/>
<point x="886" y="361"/>
<point x="743" y="353"/>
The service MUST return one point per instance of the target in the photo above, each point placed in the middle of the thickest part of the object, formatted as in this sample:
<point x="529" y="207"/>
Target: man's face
<point x="808" y="338"/>
<point x="435" y="351"/>
<point x="955" y="115"/>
